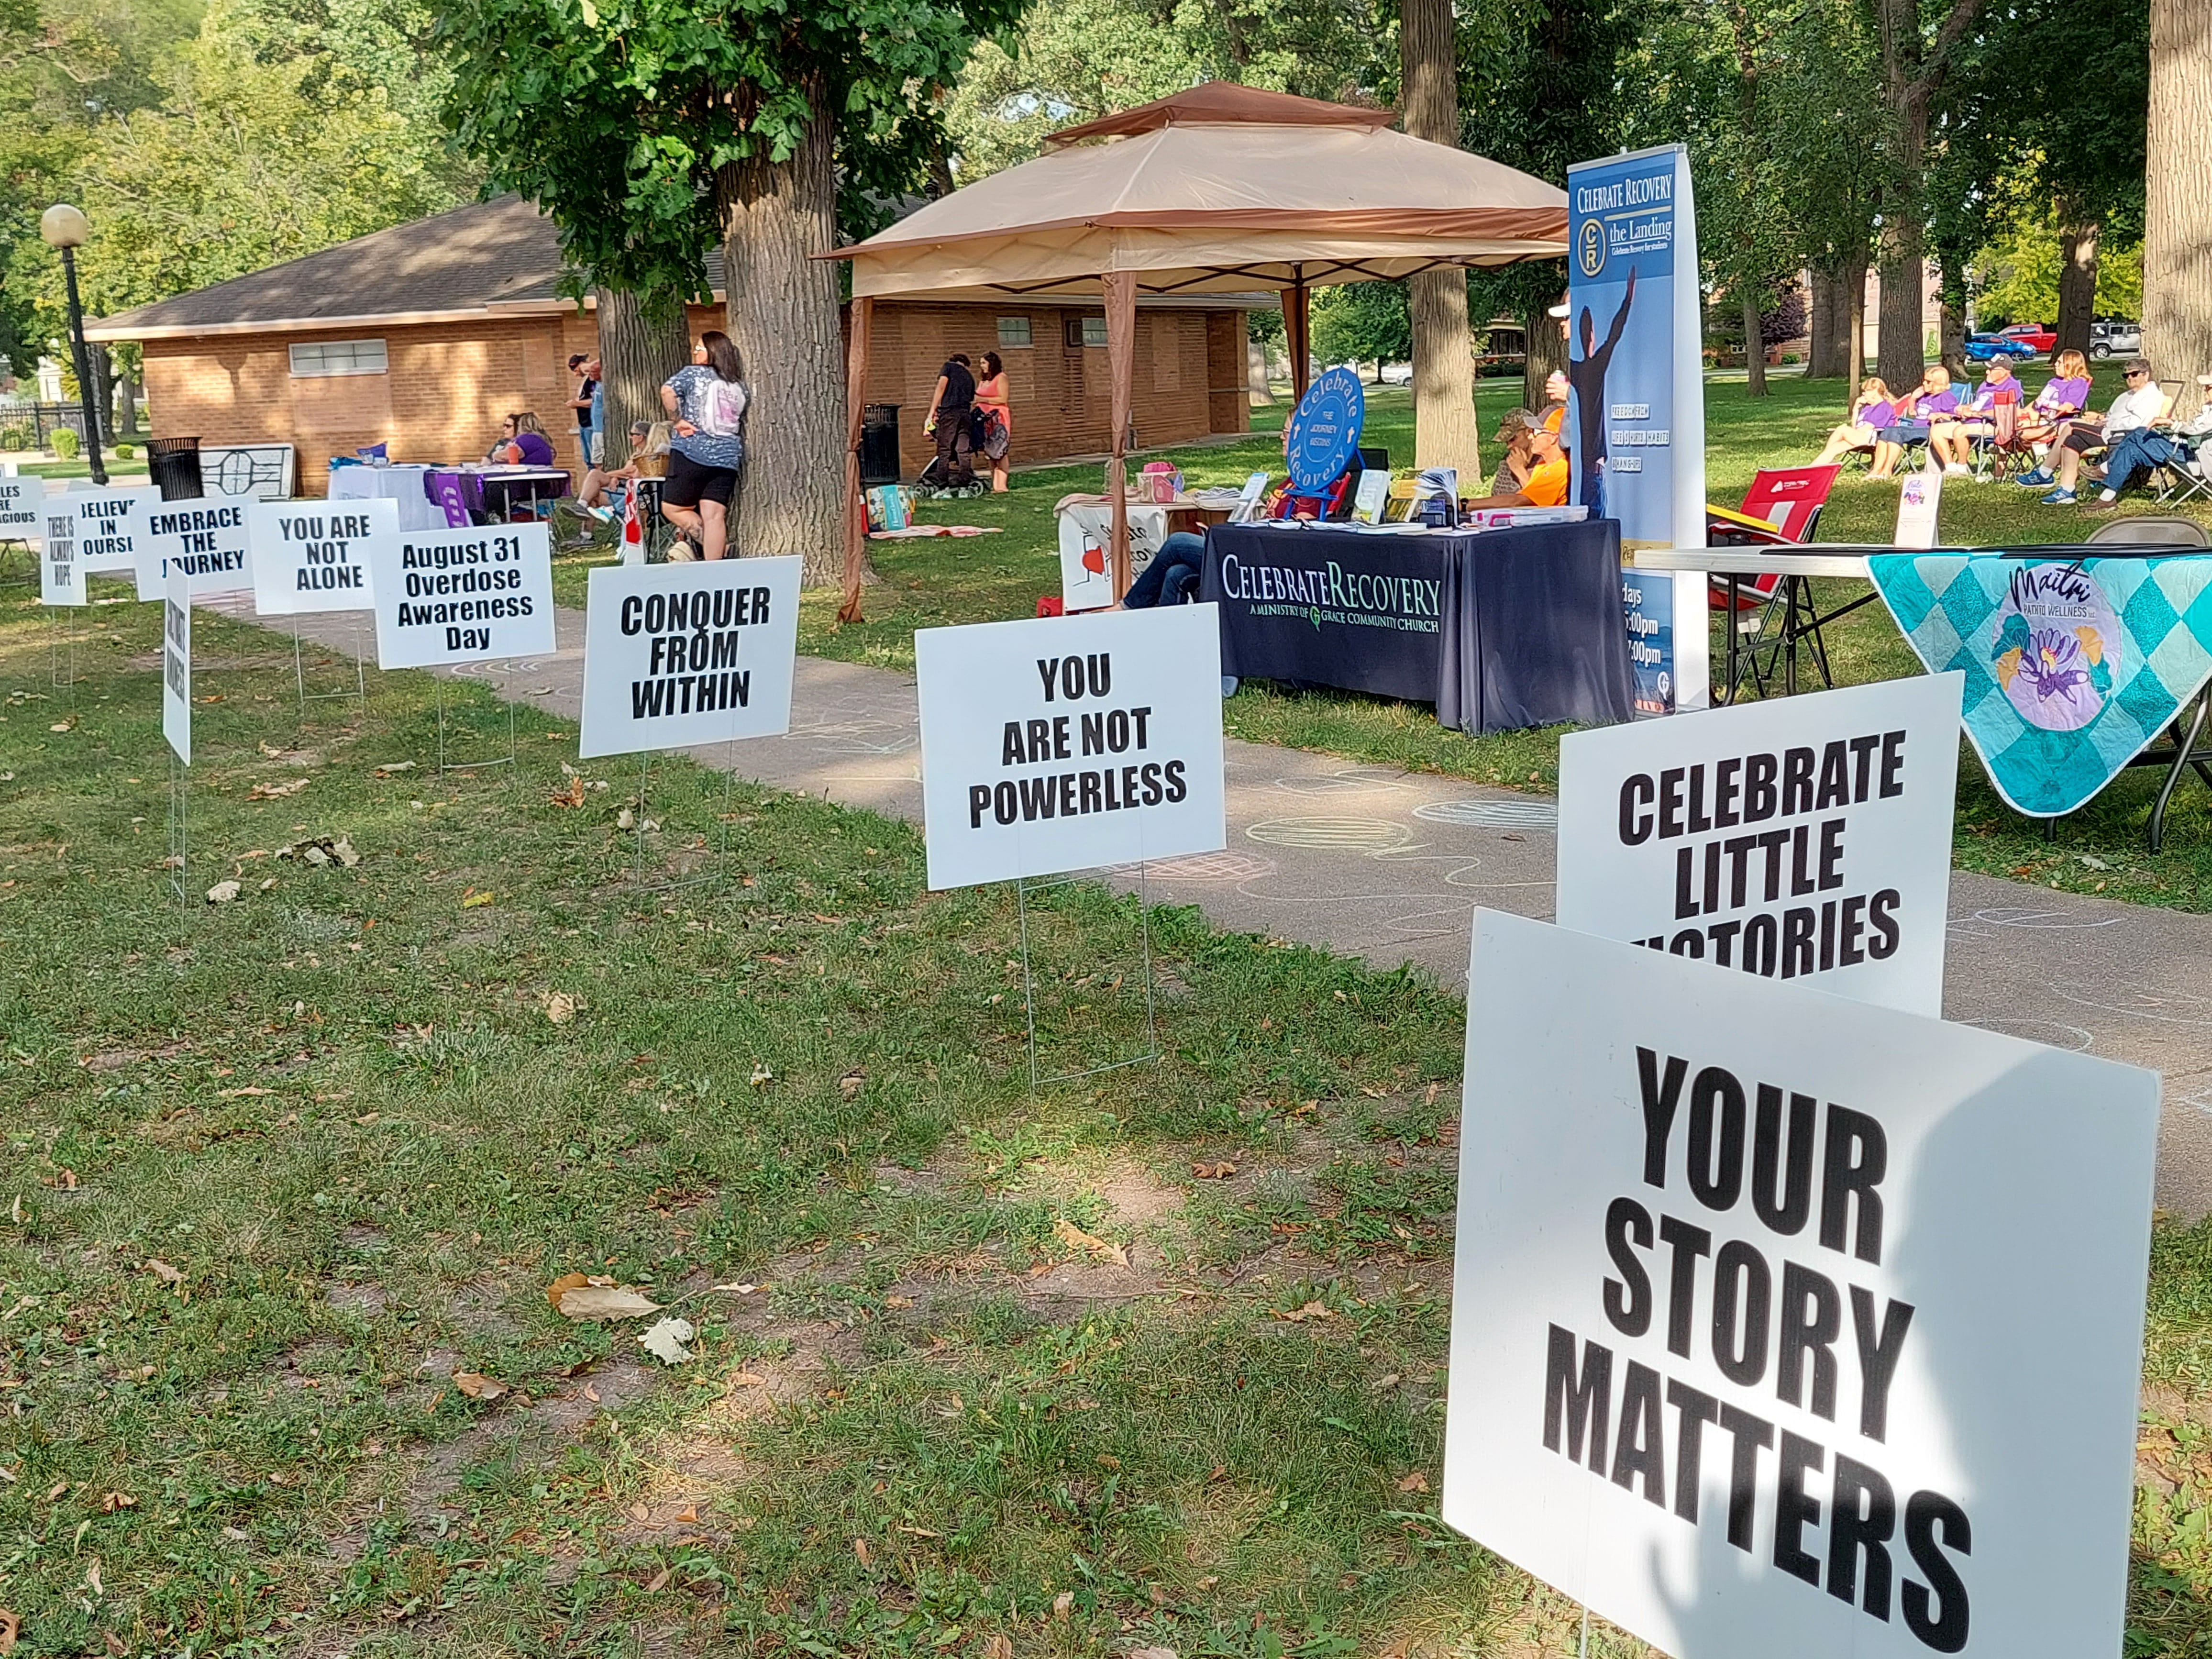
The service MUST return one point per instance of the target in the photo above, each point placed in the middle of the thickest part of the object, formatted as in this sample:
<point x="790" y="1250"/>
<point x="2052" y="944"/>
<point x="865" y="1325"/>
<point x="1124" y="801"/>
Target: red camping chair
<point x="1782" y="508"/>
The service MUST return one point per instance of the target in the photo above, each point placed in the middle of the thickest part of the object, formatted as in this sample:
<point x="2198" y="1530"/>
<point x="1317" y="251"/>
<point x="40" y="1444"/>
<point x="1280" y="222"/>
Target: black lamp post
<point x="65" y="229"/>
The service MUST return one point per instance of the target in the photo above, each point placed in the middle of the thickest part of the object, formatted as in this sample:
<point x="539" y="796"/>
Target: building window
<point x="1013" y="330"/>
<point x="1086" y="331"/>
<point x="337" y="357"/>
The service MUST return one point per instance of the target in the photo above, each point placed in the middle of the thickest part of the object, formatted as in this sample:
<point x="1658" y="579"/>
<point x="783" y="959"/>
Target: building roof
<point x="486" y="260"/>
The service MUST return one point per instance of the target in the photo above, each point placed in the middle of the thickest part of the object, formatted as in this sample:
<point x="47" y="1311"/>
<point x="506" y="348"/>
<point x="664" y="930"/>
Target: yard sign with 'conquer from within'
<point x="1807" y="838"/>
<point x="681" y="654"/>
<point x="1783" y="1324"/>
<point x="1069" y="742"/>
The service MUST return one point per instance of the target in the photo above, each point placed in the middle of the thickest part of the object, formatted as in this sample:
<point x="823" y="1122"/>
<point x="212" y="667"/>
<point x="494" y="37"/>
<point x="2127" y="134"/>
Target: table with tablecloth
<point x="2076" y="664"/>
<point x="1499" y="628"/>
<point x="402" y="482"/>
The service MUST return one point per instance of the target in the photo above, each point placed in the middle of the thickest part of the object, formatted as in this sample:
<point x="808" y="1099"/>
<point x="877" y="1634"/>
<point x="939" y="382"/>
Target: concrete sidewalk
<point x="1388" y="865"/>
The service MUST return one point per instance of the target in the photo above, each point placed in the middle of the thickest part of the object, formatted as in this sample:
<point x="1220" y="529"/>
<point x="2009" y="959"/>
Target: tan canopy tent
<point x="1221" y="189"/>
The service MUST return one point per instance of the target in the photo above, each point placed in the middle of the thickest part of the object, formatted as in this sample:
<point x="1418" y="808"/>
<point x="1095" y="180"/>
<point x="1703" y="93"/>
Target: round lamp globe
<point x="64" y="225"/>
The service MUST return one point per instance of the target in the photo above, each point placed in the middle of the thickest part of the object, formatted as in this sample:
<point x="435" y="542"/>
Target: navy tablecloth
<point x="1500" y="628"/>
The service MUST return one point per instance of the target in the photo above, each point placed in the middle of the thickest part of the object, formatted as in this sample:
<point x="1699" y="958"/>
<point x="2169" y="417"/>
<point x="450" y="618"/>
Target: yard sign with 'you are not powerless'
<point x="1784" y="1323"/>
<point x="1069" y="743"/>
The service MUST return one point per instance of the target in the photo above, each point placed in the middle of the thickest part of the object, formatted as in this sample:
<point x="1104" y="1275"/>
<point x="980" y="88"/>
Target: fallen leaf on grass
<point x="234" y="1094"/>
<point x="867" y="1555"/>
<point x="665" y="1341"/>
<point x="1096" y="1247"/>
<point x="997" y="1646"/>
<point x="571" y="796"/>
<point x="1061" y="1603"/>
<point x="689" y="1515"/>
<point x="1416" y="1482"/>
<point x="68" y="724"/>
<point x="116" y="1646"/>
<point x="223" y="892"/>
<point x="601" y="1301"/>
<point x="275" y="791"/>
<point x="761" y="1077"/>
<point x="657" y="1583"/>
<point x="477" y="1386"/>
<point x="591" y="1393"/>
<point x="747" y="1380"/>
<point x="560" y="1007"/>
<point x="391" y="768"/>
<point x="9" y="1626"/>
<point x="1311" y="1311"/>
<point x="113" y="1501"/>
<point x="1151" y="1653"/>
<point x="162" y="1271"/>
<point x="849" y="1085"/>
<point x="471" y="898"/>
<point x="1220" y="1171"/>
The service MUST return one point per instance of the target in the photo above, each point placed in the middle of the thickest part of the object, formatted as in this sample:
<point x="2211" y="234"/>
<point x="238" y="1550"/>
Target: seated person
<point x="522" y="443"/>
<point x="1546" y="484"/>
<point x="1520" y="453"/>
<point x="1915" y="410"/>
<point x="2146" y="447"/>
<point x="1952" y="442"/>
<point x="1171" y="576"/>
<point x="2140" y="405"/>
<point x="605" y="492"/>
<point x="2065" y="394"/>
<point x="1871" y="411"/>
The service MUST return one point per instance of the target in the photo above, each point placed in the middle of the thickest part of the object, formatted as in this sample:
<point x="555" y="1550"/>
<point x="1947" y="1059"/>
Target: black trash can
<point x="879" y="446"/>
<point x="175" y="465"/>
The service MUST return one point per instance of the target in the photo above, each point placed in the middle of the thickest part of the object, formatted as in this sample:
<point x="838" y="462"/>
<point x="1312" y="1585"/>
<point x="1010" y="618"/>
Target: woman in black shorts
<point x="707" y="404"/>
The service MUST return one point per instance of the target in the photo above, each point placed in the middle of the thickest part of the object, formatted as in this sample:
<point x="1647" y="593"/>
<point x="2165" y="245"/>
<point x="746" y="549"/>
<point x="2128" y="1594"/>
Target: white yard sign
<point x="109" y="522"/>
<point x="205" y="540"/>
<point x="314" y="555"/>
<point x="679" y="654"/>
<point x="1787" y="1324"/>
<point x="456" y="596"/>
<point x="1069" y="743"/>
<point x="21" y="502"/>
<point x="1804" y="838"/>
<point x="177" y="666"/>
<point x="61" y="578"/>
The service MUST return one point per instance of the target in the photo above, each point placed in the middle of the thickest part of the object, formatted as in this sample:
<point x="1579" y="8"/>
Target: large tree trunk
<point x="1912" y="71"/>
<point x="1444" y="433"/>
<point x="1903" y="350"/>
<point x="2077" y="284"/>
<point x="126" y="401"/>
<point x="1855" y="320"/>
<point x="1257" y="392"/>
<point x="1754" y="348"/>
<point x="1546" y="344"/>
<point x="1824" y="353"/>
<point x="642" y="341"/>
<point x="784" y="323"/>
<point x="2178" y="209"/>
<point x="1951" y="339"/>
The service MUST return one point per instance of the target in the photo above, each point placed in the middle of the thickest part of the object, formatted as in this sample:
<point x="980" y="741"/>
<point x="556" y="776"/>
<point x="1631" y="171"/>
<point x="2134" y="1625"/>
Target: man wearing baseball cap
<point x="2144" y="447"/>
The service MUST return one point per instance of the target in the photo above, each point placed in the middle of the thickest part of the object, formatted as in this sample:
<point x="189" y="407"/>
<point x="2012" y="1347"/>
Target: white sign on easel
<point x="61" y="579"/>
<point x="1919" y="494"/>
<point x="109" y="522"/>
<point x="205" y="540"/>
<point x="1783" y="1323"/>
<point x="1806" y="837"/>
<point x="20" y="503"/>
<point x="313" y="556"/>
<point x="680" y="654"/>
<point x="1069" y="743"/>
<point x="455" y="596"/>
<point x="1086" y="558"/>
<point x="177" y="666"/>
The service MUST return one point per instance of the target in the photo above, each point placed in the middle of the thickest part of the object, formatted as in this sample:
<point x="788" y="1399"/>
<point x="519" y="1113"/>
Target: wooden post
<point x="1120" y="287"/>
<point x="856" y="507"/>
<point x="1298" y="330"/>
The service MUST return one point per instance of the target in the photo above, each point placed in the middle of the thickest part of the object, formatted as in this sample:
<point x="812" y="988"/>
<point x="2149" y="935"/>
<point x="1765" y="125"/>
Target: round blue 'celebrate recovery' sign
<point x="1324" y="430"/>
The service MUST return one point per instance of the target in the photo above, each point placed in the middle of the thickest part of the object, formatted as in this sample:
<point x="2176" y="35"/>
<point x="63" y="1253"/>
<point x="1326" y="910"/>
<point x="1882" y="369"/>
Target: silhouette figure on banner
<point x="1586" y="374"/>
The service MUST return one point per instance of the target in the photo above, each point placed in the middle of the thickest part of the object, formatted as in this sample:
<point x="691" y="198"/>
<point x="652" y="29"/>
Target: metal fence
<point x="40" y="420"/>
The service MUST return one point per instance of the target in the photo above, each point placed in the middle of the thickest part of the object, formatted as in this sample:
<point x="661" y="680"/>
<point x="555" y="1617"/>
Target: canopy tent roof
<point x="1218" y="190"/>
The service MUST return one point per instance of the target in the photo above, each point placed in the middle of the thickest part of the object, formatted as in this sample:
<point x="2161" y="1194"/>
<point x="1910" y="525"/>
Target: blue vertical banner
<point x="1636" y="415"/>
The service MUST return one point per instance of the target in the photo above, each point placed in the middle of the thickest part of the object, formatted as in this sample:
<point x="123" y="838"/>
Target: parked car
<point x="2114" y="337"/>
<point x="2037" y="339"/>
<point x="1395" y="375"/>
<point x="1985" y="348"/>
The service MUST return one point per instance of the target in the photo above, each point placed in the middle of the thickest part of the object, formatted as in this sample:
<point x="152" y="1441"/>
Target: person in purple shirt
<point x="1871" y="411"/>
<point x="522" y="442"/>
<point x="1914" y="411"/>
<point x="1952" y="441"/>
<point x="2064" y="395"/>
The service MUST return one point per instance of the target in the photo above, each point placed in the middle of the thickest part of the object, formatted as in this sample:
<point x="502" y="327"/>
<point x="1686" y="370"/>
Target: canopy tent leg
<point x="1296" y="331"/>
<point x="856" y="508"/>
<point x="1120" y="288"/>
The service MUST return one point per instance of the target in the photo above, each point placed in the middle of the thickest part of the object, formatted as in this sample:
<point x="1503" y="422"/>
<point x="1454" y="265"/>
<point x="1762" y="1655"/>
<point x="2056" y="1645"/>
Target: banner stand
<point x="715" y="869"/>
<point x="1022" y="889"/>
<point x="360" y="691"/>
<point x="179" y="779"/>
<point x="445" y="765"/>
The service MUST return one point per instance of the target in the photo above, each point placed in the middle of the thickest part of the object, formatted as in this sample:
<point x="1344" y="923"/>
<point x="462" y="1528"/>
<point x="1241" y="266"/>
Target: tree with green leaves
<point x="647" y="127"/>
<point x="1363" y="323"/>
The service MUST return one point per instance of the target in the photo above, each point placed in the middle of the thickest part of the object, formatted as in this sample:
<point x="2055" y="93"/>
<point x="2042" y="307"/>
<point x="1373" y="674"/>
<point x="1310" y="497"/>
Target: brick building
<point x="425" y="336"/>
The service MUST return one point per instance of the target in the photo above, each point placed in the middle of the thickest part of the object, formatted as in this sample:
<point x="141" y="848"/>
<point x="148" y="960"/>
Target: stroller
<point x="936" y="481"/>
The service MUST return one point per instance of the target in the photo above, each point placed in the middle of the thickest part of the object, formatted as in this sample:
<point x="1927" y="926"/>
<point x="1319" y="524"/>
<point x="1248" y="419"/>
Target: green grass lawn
<point x="133" y="469"/>
<point x="1155" y="1358"/>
